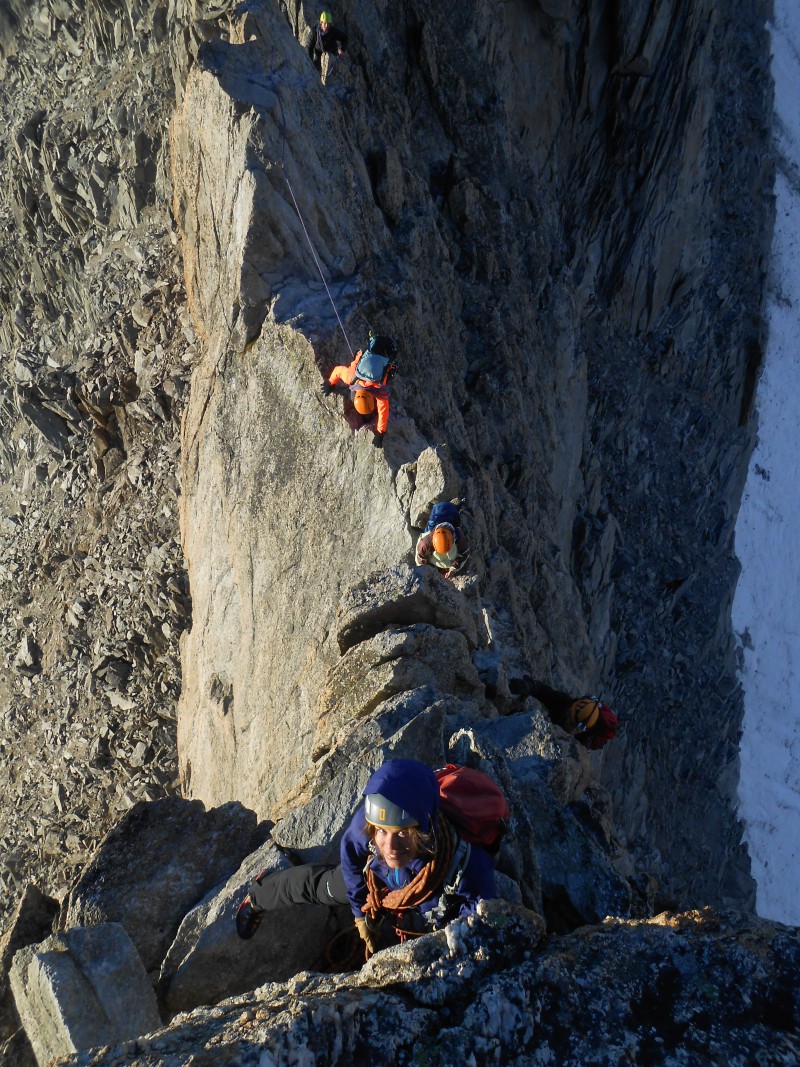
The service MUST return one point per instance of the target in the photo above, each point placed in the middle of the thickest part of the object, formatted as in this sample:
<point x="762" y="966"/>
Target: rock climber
<point x="404" y="870"/>
<point x="590" y="722"/>
<point x="367" y="378"/>
<point x="443" y="543"/>
<point x="328" y="38"/>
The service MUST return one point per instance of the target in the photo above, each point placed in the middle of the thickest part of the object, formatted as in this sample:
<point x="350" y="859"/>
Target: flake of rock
<point x="156" y="864"/>
<point x="31" y="923"/>
<point x="28" y="657"/>
<point x="137" y="757"/>
<point x="141" y="314"/>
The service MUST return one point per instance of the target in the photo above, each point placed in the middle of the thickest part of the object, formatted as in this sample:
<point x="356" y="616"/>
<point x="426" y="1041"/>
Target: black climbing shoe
<point x="248" y="918"/>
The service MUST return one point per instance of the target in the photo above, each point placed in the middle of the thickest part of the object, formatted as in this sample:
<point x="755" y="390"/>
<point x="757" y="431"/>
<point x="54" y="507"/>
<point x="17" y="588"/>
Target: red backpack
<point x="605" y="729"/>
<point x="474" y="804"/>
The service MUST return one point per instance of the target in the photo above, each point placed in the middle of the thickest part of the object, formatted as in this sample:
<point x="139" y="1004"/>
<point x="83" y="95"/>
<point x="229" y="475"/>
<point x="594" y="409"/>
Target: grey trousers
<point x="310" y="883"/>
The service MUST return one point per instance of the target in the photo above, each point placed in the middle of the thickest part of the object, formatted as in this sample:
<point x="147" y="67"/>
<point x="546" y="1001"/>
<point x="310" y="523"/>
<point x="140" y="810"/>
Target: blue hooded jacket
<point x="412" y="786"/>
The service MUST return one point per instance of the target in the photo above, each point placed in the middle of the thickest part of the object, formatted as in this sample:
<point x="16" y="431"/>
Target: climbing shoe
<point x="248" y="918"/>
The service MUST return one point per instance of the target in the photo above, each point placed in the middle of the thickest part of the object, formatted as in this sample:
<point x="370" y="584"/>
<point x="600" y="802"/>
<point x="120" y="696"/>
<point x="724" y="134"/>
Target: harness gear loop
<point x="316" y="260"/>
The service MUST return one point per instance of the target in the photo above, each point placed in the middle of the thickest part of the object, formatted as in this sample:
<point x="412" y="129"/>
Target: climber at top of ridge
<point x="405" y="869"/>
<point x="327" y="37"/>
<point x="443" y="543"/>
<point x="367" y="378"/>
<point x="590" y="722"/>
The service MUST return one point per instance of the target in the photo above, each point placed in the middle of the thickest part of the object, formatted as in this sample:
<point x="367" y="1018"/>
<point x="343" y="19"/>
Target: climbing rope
<point x="316" y="259"/>
<point x="344" y="952"/>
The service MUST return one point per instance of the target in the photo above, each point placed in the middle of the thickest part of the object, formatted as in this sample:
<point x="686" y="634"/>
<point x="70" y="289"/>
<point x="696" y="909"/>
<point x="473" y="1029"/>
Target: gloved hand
<point x="326" y="388"/>
<point x="367" y="936"/>
<point x="377" y="440"/>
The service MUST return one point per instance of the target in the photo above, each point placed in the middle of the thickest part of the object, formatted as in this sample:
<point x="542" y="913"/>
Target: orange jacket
<point x="347" y="375"/>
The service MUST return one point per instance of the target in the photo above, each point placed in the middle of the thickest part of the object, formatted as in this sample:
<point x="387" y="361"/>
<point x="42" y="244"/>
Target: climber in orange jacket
<point x="367" y="377"/>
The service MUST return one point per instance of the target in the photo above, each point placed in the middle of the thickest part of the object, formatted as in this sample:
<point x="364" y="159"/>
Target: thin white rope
<point x="319" y="266"/>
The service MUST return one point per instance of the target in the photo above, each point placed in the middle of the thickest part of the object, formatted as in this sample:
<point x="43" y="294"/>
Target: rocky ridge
<point x="610" y="318"/>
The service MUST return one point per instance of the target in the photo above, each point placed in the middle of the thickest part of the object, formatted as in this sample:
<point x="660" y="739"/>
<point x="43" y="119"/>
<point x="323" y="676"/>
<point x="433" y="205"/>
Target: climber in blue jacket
<point x="404" y="870"/>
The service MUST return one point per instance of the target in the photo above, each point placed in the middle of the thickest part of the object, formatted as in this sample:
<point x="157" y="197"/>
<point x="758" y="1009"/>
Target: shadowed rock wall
<point x="534" y="206"/>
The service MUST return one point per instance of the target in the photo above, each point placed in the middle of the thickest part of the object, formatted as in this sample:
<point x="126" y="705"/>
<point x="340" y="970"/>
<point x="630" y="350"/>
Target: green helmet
<point x="325" y="17"/>
<point x="380" y="811"/>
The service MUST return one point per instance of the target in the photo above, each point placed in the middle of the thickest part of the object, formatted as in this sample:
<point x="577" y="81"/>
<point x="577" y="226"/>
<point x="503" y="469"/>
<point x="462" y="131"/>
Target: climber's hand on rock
<point x="367" y="936"/>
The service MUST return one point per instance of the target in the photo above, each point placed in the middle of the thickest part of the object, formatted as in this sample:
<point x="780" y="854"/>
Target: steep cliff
<point x="560" y="216"/>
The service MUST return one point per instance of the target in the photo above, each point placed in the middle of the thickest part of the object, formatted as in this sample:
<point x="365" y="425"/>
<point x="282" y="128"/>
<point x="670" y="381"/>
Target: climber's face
<point x="324" y="24"/>
<point x="397" y="847"/>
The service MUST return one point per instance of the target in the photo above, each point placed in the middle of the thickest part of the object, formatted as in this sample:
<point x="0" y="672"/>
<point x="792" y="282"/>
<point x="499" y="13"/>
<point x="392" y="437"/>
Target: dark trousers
<point x="556" y="702"/>
<point x="310" y="883"/>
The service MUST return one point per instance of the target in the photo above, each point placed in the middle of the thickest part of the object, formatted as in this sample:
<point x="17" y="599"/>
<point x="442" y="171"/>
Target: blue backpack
<point x="377" y="363"/>
<point x="443" y="512"/>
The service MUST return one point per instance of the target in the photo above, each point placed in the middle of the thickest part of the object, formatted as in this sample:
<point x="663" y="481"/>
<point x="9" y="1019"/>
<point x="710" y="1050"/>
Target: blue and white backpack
<point x="377" y="363"/>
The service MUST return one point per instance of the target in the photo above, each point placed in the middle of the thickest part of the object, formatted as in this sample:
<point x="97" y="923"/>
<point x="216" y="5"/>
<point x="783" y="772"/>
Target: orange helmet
<point x="364" y="402"/>
<point x="443" y="539"/>
<point x="586" y="712"/>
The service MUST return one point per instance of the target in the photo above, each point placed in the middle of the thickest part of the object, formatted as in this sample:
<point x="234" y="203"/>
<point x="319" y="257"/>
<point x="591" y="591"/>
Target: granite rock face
<point x="686" y="988"/>
<point x="579" y="374"/>
<point x="595" y="362"/>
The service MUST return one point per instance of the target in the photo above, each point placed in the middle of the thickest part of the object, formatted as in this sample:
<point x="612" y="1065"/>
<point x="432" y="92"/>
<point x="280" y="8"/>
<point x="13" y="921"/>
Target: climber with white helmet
<point x="404" y="868"/>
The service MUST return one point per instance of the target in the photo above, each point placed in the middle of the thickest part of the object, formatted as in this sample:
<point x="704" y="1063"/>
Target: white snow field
<point x="766" y="609"/>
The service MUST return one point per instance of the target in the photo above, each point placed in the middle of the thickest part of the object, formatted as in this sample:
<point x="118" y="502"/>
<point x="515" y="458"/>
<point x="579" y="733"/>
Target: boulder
<point x="402" y="596"/>
<point x="563" y="762"/>
<point x="393" y="661"/>
<point x="82" y="988"/>
<point x="409" y="727"/>
<point x="31" y="922"/>
<point x="156" y="864"/>
<point x="208" y="961"/>
<point x="434" y="479"/>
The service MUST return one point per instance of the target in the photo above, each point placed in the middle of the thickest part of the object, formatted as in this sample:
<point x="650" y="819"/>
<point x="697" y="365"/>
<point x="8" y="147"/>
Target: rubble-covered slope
<point x="97" y="349"/>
